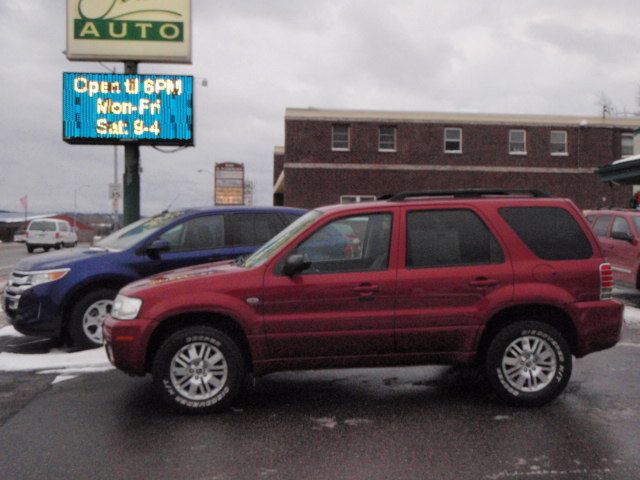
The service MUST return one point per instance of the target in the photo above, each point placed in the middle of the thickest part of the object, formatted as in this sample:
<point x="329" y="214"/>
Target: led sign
<point x="118" y="108"/>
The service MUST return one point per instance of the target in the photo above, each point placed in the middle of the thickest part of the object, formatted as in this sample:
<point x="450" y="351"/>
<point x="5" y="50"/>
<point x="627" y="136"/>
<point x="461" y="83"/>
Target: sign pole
<point x="131" y="177"/>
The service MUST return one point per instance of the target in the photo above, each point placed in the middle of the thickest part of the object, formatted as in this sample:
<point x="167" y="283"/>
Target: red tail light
<point x="57" y="234"/>
<point x="606" y="281"/>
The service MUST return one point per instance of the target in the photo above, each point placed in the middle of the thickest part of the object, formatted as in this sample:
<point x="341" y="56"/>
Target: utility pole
<point x="131" y="177"/>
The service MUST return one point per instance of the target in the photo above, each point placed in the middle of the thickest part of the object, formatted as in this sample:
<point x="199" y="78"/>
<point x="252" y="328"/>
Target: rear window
<point x="601" y="227"/>
<point x="550" y="232"/>
<point x="43" y="226"/>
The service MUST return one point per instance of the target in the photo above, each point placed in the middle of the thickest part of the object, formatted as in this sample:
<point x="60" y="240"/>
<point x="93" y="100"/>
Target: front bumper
<point x="126" y="343"/>
<point x="598" y="325"/>
<point x="32" y="311"/>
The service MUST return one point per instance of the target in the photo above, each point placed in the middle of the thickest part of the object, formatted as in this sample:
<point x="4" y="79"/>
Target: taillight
<point x="57" y="234"/>
<point x="606" y="281"/>
<point x="26" y="235"/>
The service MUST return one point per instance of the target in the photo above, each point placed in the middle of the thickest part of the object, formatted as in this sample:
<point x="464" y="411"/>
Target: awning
<point x="625" y="171"/>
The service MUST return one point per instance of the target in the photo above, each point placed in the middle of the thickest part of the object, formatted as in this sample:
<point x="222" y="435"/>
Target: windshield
<point x="273" y="246"/>
<point x="131" y="234"/>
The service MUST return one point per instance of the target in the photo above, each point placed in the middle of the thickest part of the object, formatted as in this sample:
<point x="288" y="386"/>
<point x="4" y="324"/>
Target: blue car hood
<point x="62" y="259"/>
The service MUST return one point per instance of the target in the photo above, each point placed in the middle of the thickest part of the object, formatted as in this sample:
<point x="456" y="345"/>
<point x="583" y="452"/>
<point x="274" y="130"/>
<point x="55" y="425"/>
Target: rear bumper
<point x="126" y="344"/>
<point x="598" y="325"/>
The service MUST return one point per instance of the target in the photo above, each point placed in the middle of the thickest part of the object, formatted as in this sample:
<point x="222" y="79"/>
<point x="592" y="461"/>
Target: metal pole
<point x="131" y="177"/>
<point x="115" y="181"/>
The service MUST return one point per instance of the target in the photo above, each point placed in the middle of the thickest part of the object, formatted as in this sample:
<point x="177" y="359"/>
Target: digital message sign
<point x="119" y="108"/>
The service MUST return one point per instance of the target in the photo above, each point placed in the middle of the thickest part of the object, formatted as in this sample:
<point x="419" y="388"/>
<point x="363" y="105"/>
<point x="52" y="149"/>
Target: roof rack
<point x="467" y="193"/>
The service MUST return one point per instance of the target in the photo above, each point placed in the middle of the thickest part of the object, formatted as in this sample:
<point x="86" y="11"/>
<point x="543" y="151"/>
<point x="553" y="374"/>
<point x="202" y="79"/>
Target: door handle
<point x="483" y="282"/>
<point x="366" y="291"/>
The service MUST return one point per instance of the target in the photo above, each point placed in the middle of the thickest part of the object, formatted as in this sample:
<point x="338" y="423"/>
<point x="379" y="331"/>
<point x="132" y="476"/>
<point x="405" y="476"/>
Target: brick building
<point x="333" y="156"/>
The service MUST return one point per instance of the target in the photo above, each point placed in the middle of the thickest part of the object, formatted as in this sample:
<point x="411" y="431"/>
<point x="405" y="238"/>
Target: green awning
<point x="625" y="171"/>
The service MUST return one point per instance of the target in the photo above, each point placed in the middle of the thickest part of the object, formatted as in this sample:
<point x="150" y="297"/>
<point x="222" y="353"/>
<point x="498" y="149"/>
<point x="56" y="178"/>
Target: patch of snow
<point x="325" y="422"/>
<point x="354" y="422"/>
<point x="54" y="360"/>
<point x="62" y="378"/>
<point x="632" y="315"/>
<point x="502" y="417"/>
<point x="9" y="331"/>
<point x="626" y="159"/>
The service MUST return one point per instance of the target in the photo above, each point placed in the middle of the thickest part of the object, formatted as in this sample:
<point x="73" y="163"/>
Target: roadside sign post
<point x="131" y="176"/>
<point x="147" y="109"/>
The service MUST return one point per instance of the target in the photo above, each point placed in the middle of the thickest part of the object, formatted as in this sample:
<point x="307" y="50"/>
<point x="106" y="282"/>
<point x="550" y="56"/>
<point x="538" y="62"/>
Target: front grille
<point x="17" y="285"/>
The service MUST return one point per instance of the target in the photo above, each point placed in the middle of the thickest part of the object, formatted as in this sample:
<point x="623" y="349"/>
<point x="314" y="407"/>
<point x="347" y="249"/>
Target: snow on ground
<point x="631" y="316"/>
<point x="8" y="332"/>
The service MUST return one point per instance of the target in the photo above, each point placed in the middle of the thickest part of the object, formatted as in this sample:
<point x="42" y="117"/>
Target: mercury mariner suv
<point x="512" y="281"/>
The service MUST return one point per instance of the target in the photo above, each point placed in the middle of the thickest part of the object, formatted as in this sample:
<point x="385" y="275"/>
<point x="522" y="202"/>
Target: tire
<point x="88" y="315"/>
<point x="30" y="249"/>
<point x="46" y="249"/>
<point x="528" y="363"/>
<point x="183" y="382"/>
<point x="57" y="246"/>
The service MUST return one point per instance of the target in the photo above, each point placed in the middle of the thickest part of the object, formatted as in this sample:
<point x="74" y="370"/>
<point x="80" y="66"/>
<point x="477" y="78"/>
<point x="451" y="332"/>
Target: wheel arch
<point x="549" y="314"/>
<point x="223" y="322"/>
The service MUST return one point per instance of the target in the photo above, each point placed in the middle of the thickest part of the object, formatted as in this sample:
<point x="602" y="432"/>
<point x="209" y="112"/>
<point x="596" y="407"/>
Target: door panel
<point x="452" y="264"/>
<point x="344" y="304"/>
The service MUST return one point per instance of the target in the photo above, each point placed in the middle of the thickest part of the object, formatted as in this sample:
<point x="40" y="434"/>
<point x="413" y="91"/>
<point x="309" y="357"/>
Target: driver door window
<point x="200" y="233"/>
<point x="352" y="244"/>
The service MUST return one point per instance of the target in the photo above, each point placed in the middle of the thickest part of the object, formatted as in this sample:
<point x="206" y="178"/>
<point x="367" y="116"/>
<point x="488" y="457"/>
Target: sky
<point x="260" y="57"/>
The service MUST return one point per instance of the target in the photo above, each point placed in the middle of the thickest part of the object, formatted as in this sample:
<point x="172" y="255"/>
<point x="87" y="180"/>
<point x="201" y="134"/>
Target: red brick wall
<point x="309" y="141"/>
<point x="308" y="188"/>
<point x="278" y="165"/>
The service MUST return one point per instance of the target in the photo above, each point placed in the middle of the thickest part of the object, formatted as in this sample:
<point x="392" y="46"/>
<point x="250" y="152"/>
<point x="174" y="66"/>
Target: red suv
<point x="619" y="232"/>
<point x="510" y="280"/>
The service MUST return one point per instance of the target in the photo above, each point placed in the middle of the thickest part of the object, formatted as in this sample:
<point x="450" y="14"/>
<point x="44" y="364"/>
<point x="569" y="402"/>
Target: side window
<point x="200" y="233"/>
<point x="439" y="238"/>
<point x="266" y="225"/>
<point x="620" y="225"/>
<point x="64" y="227"/>
<point x="289" y="218"/>
<point x="351" y="244"/>
<point x="601" y="227"/>
<point x="551" y="233"/>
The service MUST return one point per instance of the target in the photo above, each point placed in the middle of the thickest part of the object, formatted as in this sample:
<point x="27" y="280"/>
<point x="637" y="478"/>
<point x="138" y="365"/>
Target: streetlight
<point x="213" y="177"/>
<point x="75" y="204"/>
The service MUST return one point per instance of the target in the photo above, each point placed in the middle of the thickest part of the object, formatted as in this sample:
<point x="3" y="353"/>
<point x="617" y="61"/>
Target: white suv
<point x="48" y="232"/>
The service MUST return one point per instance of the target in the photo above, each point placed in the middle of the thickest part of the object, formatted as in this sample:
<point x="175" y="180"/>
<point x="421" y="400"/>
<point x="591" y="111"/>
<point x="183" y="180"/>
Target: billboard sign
<point x="129" y="30"/>
<point x="101" y="108"/>
<point x="229" y="184"/>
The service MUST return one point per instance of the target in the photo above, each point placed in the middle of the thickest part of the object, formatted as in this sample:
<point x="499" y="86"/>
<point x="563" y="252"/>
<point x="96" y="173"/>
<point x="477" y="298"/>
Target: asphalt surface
<point x="403" y="423"/>
<point x="406" y="423"/>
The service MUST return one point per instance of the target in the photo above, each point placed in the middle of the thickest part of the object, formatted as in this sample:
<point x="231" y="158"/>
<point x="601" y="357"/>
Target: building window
<point x="626" y="144"/>
<point x="387" y="139"/>
<point x="357" y="198"/>
<point x="340" y="137"/>
<point x="517" y="142"/>
<point x="558" y="142"/>
<point x="453" y="140"/>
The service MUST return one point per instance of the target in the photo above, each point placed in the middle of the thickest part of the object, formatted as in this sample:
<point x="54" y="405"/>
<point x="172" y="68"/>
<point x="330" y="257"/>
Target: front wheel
<point x="199" y="369"/>
<point x="87" y="317"/>
<point x="528" y="363"/>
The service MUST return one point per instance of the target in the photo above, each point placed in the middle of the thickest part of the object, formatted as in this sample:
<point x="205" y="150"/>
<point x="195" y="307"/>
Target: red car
<point x="619" y="234"/>
<point x="513" y="281"/>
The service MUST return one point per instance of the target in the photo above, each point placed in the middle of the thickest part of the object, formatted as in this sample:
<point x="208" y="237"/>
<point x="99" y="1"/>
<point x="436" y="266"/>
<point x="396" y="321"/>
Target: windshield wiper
<point x="240" y="260"/>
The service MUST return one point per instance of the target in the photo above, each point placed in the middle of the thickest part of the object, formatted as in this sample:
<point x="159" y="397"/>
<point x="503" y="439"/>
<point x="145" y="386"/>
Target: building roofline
<point x="457" y="118"/>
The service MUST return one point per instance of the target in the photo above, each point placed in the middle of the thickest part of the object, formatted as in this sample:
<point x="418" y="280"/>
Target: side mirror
<point x="627" y="237"/>
<point x="156" y="248"/>
<point x="295" y="263"/>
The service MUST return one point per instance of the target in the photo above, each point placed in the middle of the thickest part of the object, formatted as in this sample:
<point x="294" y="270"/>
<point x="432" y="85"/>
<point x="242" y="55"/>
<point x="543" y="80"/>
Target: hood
<point x="187" y="273"/>
<point x="61" y="259"/>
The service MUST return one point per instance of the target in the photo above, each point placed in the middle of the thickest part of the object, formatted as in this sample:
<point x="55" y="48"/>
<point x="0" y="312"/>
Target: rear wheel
<point x="46" y="249"/>
<point x="528" y="363"/>
<point x="57" y="246"/>
<point x="87" y="317"/>
<point x="30" y="249"/>
<point x="199" y="369"/>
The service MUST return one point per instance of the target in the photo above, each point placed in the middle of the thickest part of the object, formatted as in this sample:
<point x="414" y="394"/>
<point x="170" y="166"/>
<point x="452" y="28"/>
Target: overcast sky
<point x="260" y="57"/>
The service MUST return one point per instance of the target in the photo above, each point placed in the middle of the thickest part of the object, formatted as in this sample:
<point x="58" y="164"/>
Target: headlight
<point x="45" y="276"/>
<point x="125" y="308"/>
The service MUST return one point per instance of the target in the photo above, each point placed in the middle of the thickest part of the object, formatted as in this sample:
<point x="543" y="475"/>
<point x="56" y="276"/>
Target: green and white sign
<point x="129" y="30"/>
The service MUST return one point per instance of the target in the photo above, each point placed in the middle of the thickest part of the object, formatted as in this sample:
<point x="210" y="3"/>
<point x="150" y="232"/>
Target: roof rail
<point x="467" y="193"/>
